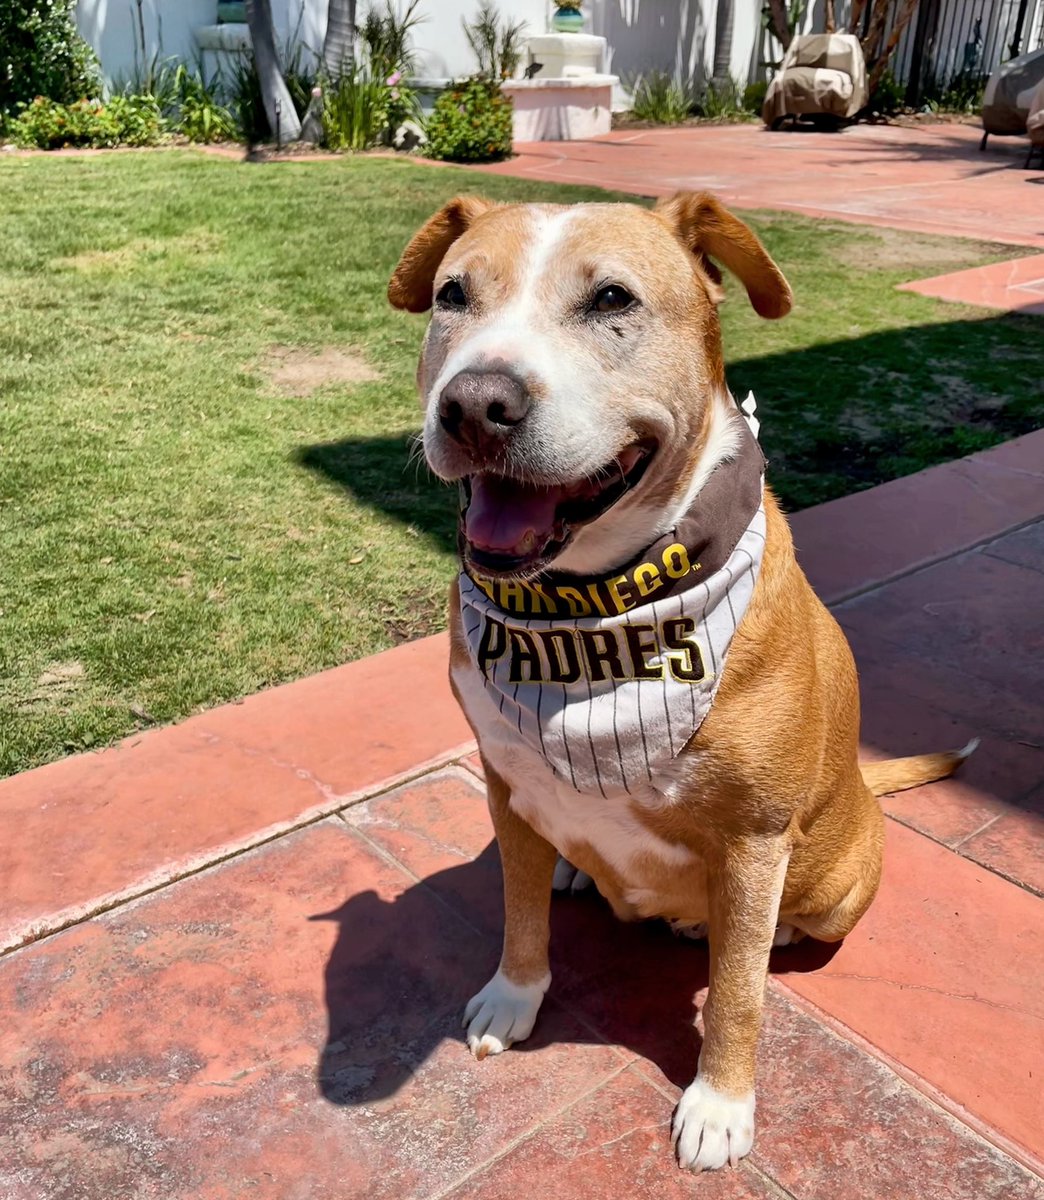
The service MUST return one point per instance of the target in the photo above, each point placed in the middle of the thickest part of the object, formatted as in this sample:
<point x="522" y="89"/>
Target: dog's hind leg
<point x="505" y="1010"/>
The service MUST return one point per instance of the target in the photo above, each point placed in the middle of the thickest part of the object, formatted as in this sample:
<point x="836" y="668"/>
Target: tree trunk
<point x="339" y="43"/>
<point x="902" y="19"/>
<point x="858" y="8"/>
<point x="780" y="25"/>
<point x="279" y="108"/>
<point x="722" y="70"/>
<point x="875" y="32"/>
<point x="829" y="20"/>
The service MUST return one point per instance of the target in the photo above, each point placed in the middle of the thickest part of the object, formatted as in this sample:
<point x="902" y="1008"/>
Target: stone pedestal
<point x="560" y="110"/>
<point x="567" y="55"/>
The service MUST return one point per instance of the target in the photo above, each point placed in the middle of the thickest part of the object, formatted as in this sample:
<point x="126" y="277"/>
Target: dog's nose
<point x="479" y="409"/>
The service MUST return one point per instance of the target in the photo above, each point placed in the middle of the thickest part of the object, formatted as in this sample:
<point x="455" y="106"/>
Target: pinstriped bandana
<point x="609" y="678"/>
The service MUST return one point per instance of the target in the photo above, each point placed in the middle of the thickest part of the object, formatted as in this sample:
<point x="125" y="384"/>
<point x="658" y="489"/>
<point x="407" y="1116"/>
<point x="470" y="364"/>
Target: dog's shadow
<point x="402" y="970"/>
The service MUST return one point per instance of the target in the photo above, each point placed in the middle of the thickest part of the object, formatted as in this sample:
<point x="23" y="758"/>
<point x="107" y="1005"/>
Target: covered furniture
<point x="1006" y="101"/>
<point x="1035" y="125"/>
<point x="823" y="76"/>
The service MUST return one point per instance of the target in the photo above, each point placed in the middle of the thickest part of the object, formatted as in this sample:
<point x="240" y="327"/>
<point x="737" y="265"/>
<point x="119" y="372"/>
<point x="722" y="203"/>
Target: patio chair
<point x="822" y="79"/>
<point x="1006" y="101"/>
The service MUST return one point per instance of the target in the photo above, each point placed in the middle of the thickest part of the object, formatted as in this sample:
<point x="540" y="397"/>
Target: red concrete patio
<point x="931" y="178"/>
<point x="235" y="951"/>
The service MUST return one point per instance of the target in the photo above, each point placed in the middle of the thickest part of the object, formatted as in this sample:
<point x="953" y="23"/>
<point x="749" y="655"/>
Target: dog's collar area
<point x="684" y="558"/>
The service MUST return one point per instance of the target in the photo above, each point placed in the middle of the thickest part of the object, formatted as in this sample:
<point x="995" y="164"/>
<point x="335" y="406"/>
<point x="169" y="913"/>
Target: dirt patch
<point x="192" y="242"/>
<point x="59" y="681"/>
<point x="294" y="371"/>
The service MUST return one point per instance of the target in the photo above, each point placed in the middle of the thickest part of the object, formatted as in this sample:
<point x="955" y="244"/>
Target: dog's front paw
<point x="712" y="1129"/>
<point x="502" y="1013"/>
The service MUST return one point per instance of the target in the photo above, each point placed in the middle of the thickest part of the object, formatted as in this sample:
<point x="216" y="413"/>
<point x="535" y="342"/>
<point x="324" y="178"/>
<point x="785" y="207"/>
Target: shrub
<point x="199" y="113"/>
<point x="657" y="96"/>
<point x="888" y="96"/>
<point x="754" y="96"/>
<point x="124" y="120"/>
<point x="471" y="122"/>
<point x="41" y="54"/>
<point x="721" y="101"/>
<point x="496" y="44"/>
<point x="355" y="110"/>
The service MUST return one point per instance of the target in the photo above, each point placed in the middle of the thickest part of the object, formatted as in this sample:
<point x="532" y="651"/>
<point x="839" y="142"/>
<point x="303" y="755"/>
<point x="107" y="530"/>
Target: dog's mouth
<point x="516" y="528"/>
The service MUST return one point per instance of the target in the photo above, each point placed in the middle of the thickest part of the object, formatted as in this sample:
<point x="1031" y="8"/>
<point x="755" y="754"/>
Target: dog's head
<point x="571" y="373"/>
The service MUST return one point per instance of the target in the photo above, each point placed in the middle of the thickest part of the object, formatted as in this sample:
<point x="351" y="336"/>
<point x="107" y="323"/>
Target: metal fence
<point x="951" y="46"/>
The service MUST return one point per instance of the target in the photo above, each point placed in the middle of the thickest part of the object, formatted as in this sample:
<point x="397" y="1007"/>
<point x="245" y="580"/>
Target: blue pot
<point x="567" y="20"/>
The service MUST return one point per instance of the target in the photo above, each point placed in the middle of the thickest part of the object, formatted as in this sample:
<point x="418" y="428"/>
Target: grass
<point x="177" y="529"/>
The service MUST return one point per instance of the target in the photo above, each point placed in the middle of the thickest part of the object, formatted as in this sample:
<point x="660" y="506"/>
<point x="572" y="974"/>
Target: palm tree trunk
<point x="723" y="27"/>
<point x="339" y="43"/>
<point x="279" y="108"/>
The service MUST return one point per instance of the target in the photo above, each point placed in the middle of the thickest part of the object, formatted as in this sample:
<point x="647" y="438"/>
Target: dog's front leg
<point x="506" y="1009"/>
<point x="714" y="1121"/>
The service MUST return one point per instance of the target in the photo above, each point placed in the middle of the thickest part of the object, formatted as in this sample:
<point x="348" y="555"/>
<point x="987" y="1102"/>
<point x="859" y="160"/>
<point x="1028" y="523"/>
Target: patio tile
<point x="917" y="520"/>
<point x="1013" y="845"/>
<point x="835" y="1122"/>
<point x="91" y="828"/>
<point x="1015" y="286"/>
<point x="941" y="975"/>
<point x="615" y="1142"/>
<point x="895" y="723"/>
<point x="285" y="1025"/>
<point x="976" y="613"/>
<point x="1024" y="547"/>
<point x="902" y="684"/>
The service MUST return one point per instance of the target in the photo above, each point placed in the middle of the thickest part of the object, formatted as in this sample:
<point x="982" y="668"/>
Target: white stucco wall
<point x="675" y="35"/>
<point x="111" y="27"/>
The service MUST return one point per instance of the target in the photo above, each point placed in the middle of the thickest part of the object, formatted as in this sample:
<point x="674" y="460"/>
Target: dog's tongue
<point x="510" y="518"/>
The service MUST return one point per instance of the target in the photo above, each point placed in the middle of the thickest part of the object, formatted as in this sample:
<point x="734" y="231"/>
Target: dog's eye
<point x="612" y="299"/>
<point x="452" y="295"/>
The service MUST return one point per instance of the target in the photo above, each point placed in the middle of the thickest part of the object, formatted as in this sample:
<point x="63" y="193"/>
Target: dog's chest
<point x="610" y="826"/>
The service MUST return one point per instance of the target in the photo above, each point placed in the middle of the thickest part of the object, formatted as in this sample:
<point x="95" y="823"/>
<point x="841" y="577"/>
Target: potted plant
<point x="568" y="18"/>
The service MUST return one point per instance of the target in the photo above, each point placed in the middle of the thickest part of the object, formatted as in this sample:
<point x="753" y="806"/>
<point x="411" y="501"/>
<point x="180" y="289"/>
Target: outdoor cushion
<point x="822" y="74"/>
<point x="1009" y="93"/>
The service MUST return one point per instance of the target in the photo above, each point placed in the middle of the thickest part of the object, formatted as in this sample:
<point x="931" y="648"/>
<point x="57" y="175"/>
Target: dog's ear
<point x="710" y="231"/>
<point x="411" y="282"/>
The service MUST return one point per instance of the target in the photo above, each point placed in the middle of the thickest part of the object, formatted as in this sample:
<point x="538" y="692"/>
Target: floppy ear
<point x="711" y="231"/>
<point x="411" y="282"/>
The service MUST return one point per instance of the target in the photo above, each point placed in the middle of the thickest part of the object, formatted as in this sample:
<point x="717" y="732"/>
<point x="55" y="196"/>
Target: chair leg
<point x="982" y="144"/>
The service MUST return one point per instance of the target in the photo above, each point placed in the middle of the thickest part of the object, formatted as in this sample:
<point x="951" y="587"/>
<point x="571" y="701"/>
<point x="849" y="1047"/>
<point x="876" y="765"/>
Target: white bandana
<point x="608" y="699"/>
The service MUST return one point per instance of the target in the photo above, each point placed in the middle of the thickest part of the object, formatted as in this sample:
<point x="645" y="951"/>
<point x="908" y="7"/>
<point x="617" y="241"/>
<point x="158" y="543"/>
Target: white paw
<point x="712" y="1129"/>
<point x="568" y="878"/>
<point x="502" y="1013"/>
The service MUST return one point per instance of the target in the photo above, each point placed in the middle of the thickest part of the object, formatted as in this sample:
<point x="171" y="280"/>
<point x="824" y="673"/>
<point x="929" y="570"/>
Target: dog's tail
<point x="898" y="774"/>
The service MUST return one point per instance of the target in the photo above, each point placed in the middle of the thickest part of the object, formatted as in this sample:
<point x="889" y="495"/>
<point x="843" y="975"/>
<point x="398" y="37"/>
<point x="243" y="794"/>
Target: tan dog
<point x="573" y="383"/>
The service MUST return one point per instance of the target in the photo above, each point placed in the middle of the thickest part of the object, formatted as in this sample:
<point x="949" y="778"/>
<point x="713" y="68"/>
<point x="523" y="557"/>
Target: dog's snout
<point x="480" y="408"/>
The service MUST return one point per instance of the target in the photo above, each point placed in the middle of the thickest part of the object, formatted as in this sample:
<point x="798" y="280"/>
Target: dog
<point x="661" y="702"/>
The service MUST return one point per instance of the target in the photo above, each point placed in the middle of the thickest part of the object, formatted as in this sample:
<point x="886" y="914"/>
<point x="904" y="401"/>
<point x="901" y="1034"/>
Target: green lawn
<point x="177" y="529"/>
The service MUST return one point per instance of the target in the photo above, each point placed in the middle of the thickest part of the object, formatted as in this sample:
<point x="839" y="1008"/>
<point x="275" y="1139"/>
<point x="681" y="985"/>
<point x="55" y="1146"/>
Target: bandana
<point x="609" y="678"/>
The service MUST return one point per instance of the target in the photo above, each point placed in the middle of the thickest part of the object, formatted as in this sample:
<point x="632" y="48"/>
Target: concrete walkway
<point x="931" y="179"/>
<point x="235" y="951"/>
